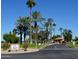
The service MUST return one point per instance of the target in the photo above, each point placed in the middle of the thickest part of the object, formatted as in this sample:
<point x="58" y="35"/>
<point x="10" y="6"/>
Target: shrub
<point x="25" y="45"/>
<point x="9" y="50"/>
<point x="10" y="38"/>
<point x="70" y="45"/>
<point x="5" y="46"/>
<point x="34" y="46"/>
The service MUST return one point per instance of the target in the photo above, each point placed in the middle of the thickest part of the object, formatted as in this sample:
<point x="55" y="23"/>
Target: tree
<point x="54" y="25"/>
<point x="43" y="36"/>
<point x="19" y="30"/>
<point x="55" y="36"/>
<point x="67" y="35"/>
<point x="61" y="30"/>
<point x="76" y="38"/>
<point x="49" y="24"/>
<point x="36" y="18"/>
<point x="10" y="38"/>
<point x="30" y="4"/>
<point x="22" y="25"/>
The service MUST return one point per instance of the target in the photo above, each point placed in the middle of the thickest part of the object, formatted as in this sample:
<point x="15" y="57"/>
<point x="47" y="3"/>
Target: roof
<point x="59" y="38"/>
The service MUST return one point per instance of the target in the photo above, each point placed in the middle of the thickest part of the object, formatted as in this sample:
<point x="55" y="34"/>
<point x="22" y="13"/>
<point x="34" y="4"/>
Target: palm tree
<point x="22" y="25"/>
<point x="25" y="26"/>
<point x="67" y="35"/>
<point x="54" y="25"/>
<point x="30" y="4"/>
<point x="36" y="18"/>
<point x="19" y="31"/>
<point x="61" y="30"/>
<point x="15" y="31"/>
<point x="50" y="25"/>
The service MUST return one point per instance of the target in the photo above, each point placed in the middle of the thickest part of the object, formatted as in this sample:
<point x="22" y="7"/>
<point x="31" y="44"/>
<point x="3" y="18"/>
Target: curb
<point x="19" y="52"/>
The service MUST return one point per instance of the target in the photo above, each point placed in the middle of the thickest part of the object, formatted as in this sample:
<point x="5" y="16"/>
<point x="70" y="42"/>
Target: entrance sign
<point x="14" y="47"/>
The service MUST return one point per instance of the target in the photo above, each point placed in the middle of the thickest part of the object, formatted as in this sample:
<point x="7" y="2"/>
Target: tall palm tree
<point x="61" y="30"/>
<point x="49" y="25"/>
<point x="19" y="31"/>
<point x="36" y="18"/>
<point x="22" y="25"/>
<point x="54" y="25"/>
<point x="25" y="26"/>
<point x="15" y="31"/>
<point x="30" y="4"/>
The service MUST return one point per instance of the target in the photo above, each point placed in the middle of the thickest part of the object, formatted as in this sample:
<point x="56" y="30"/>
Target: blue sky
<point x="64" y="13"/>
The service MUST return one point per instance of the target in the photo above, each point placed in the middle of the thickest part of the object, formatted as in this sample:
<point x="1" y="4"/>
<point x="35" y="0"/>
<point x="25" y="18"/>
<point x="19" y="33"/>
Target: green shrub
<point x="70" y="45"/>
<point x="30" y="45"/>
<point x="5" y="46"/>
<point x="25" y="45"/>
<point x="21" y="45"/>
<point x="12" y="38"/>
<point x="34" y="46"/>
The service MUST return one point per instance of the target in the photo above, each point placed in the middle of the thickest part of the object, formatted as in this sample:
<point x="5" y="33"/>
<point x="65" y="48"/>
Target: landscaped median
<point x="23" y="48"/>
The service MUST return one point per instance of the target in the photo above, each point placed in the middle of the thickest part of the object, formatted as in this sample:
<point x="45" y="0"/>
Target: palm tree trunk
<point x="61" y="34"/>
<point x="54" y="32"/>
<point x="36" y="38"/>
<point x="24" y="37"/>
<point x="30" y="37"/>
<point x="20" y="38"/>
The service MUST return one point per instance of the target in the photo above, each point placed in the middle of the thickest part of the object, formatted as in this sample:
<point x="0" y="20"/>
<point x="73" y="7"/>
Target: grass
<point x="37" y="46"/>
<point x="70" y="45"/>
<point x="32" y="46"/>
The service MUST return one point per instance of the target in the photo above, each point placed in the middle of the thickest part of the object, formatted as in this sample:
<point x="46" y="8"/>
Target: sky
<point x="63" y="12"/>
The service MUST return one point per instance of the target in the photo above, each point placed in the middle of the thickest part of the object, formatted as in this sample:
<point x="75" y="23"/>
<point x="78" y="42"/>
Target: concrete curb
<point x="35" y="50"/>
<point x="20" y="52"/>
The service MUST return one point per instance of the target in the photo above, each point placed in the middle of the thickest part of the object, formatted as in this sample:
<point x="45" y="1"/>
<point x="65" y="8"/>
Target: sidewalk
<point x="29" y="50"/>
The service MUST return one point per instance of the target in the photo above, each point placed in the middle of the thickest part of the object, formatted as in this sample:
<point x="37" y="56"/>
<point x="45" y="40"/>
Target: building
<point x="58" y="40"/>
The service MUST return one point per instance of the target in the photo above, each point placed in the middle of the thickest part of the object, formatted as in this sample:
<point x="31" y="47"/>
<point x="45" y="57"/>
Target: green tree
<point x="55" y="36"/>
<point x="30" y="4"/>
<point x="54" y="25"/>
<point x="19" y="31"/>
<point x="36" y="18"/>
<point x="10" y="38"/>
<point x="61" y="31"/>
<point x="22" y="25"/>
<point x="76" y="38"/>
<point x="14" y="31"/>
<point x="67" y="35"/>
<point x="43" y="36"/>
<point x="49" y="24"/>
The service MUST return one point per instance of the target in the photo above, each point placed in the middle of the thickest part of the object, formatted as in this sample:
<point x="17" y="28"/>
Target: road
<point x="50" y="52"/>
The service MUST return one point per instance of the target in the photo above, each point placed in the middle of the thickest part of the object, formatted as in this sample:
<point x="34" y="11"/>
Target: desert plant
<point x="9" y="50"/>
<point x="25" y="45"/>
<point x="5" y="46"/>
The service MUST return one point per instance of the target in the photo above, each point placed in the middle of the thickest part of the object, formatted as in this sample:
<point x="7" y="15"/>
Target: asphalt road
<point x="50" y="52"/>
